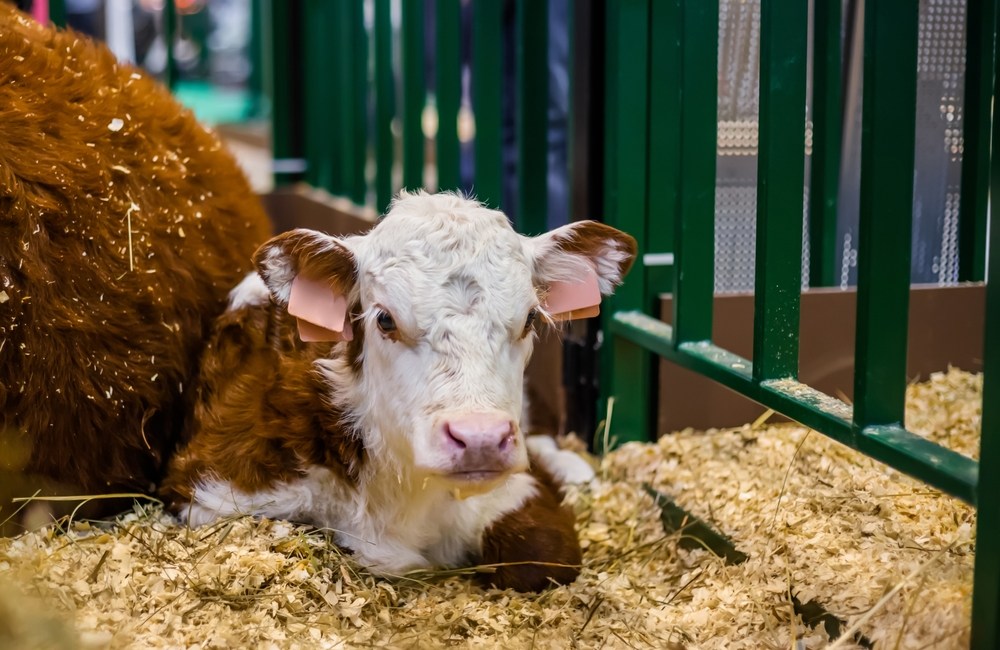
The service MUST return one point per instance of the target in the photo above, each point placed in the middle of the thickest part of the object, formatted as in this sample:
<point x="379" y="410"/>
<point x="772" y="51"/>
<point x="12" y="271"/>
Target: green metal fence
<point x="350" y="96"/>
<point x="661" y="187"/>
<point x="350" y="117"/>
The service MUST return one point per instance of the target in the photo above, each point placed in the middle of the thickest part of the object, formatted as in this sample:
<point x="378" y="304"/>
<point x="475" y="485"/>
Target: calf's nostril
<point x="456" y="439"/>
<point x="506" y="442"/>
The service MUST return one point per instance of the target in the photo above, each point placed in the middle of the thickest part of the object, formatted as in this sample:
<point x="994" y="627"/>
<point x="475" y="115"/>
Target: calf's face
<point x="437" y="307"/>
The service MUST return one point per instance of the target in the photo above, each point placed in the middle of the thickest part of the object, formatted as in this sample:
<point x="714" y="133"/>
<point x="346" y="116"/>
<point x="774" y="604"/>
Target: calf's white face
<point x="442" y="298"/>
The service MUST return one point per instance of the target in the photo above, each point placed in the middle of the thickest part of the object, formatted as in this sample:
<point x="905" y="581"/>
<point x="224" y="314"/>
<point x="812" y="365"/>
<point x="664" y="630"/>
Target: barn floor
<point x="830" y="538"/>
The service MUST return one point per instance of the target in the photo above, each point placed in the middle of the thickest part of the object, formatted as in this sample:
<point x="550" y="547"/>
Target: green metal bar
<point x="357" y="114"/>
<point x="887" y="135"/>
<point x="57" y="13"/>
<point x="801" y="402"/>
<point x="414" y="93"/>
<point x="532" y="115"/>
<point x="348" y="93"/>
<point x="976" y="114"/>
<point x="917" y="456"/>
<point x="339" y="82"/>
<point x="780" y="178"/>
<point x="986" y="591"/>
<point x="448" y="90"/>
<point x="284" y="91"/>
<point x="695" y="240"/>
<point x="321" y="85"/>
<point x="255" y="81"/>
<point x="169" y="39"/>
<point x="664" y="142"/>
<point x="626" y="369"/>
<point x="385" y="105"/>
<point x="824" y="182"/>
<point x="942" y="468"/>
<point x="487" y="73"/>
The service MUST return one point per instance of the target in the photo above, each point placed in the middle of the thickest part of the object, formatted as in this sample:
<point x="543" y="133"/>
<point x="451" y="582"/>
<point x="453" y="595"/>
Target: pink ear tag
<point x="572" y="300"/>
<point x="320" y="311"/>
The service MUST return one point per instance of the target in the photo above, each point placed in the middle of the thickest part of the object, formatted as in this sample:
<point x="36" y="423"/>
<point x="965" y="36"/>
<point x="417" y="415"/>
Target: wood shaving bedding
<point x="845" y="532"/>
<point x="827" y="523"/>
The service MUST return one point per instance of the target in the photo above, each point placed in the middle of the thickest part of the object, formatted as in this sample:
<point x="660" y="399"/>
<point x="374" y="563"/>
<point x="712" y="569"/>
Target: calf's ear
<point x="311" y="274"/>
<point x="578" y="263"/>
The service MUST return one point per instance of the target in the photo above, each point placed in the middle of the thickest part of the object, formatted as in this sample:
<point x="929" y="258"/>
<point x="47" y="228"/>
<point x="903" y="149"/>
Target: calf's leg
<point x="535" y="546"/>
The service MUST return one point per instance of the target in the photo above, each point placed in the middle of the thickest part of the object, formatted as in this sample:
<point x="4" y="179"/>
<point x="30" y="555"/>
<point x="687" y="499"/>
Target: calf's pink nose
<point x="480" y="431"/>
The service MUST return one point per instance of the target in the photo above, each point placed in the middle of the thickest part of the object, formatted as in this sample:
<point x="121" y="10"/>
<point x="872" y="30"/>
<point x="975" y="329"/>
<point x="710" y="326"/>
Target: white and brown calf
<point x="372" y="385"/>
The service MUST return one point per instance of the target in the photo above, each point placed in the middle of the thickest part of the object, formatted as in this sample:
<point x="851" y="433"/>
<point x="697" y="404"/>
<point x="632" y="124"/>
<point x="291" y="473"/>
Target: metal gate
<point x="663" y="138"/>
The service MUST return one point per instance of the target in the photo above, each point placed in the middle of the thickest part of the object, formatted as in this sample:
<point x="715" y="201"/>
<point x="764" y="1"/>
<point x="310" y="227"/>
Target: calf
<point x="123" y="226"/>
<point x="372" y="385"/>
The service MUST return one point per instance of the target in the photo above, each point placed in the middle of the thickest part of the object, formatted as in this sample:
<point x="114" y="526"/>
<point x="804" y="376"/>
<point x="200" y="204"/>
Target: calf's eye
<point x="385" y="322"/>
<point x="530" y="320"/>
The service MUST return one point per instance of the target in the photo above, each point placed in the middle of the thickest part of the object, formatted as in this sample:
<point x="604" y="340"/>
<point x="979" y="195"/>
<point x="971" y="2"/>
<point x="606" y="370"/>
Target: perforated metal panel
<point x="736" y="166"/>
<point x="940" y="89"/>
<point x="938" y="154"/>
<point x="735" y="238"/>
<point x="937" y="173"/>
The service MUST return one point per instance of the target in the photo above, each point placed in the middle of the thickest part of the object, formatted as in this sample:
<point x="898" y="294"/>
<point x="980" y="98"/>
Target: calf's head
<point x="437" y="307"/>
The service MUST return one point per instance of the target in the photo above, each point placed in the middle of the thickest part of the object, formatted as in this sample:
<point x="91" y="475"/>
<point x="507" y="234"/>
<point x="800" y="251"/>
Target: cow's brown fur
<point x="336" y="268"/>
<point x="262" y="413"/>
<point x="588" y="236"/>
<point x="311" y="258"/>
<point x="100" y="332"/>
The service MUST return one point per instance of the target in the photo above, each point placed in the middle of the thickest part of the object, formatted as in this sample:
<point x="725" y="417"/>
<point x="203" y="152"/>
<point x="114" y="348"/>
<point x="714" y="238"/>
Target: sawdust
<point x="845" y="532"/>
<point x="826" y="524"/>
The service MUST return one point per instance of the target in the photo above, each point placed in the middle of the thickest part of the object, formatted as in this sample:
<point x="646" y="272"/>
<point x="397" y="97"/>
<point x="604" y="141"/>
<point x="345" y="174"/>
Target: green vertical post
<point x="664" y="143"/>
<point x="255" y="81"/>
<point x="170" y="40"/>
<point x="532" y="115"/>
<point x="824" y="182"/>
<point x="282" y="85"/>
<point x="487" y="74"/>
<point x="780" y="178"/>
<point x="342" y="88"/>
<point x="322" y="84"/>
<point x="57" y="13"/>
<point x="976" y="113"/>
<point x="448" y="89"/>
<point x="385" y="105"/>
<point x="986" y="586"/>
<point x="626" y="368"/>
<point x="414" y="93"/>
<point x="346" y="89"/>
<point x="357" y="136"/>
<point x="694" y="278"/>
<point x="887" y="137"/>
<point x="986" y="595"/>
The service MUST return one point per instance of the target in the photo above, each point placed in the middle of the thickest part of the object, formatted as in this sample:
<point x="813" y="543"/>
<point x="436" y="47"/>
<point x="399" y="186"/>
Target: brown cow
<point x="123" y="226"/>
